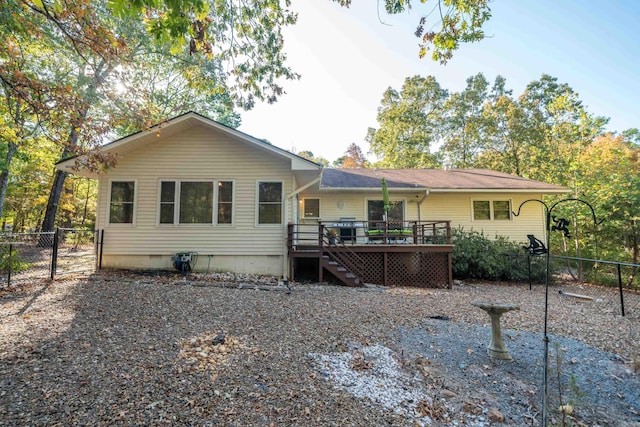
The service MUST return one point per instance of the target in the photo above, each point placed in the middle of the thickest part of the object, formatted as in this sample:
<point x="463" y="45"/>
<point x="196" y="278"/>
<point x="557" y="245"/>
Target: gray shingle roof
<point x="432" y="179"/>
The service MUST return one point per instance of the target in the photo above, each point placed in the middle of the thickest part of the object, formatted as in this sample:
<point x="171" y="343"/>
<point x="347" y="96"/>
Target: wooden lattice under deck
<point x="425" y="266"/>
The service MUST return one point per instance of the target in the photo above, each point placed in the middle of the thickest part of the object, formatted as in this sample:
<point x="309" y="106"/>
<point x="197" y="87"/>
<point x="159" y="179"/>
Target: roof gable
<point x="174" y="126"/>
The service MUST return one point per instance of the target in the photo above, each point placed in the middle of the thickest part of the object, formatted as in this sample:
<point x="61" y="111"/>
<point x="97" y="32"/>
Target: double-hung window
<point x="192" y="202"/>
<point x="121" y="203"/>
<point x="225" y="202"/>
<point x="498" y="210"/>
<point x="269" y="202"/>
<point x="311" y="208"/>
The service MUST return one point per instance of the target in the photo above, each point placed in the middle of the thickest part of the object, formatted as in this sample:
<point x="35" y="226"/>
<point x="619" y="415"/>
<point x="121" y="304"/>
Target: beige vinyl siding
<point x="455" y="207"/>
<point x="348" y="204"/>
<point x="197" y="154"/>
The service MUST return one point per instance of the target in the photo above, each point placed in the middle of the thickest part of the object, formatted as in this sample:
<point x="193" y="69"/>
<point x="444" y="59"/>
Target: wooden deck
<point x="390" y="259"/>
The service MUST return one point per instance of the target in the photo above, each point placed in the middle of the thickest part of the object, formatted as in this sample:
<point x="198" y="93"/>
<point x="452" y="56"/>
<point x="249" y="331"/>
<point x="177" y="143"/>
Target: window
<point x="225" y="202"/>
<point x="501" y="210"/>
<point x="196" y="202"/>
<point x="167" y="202"/>
<point x="192" y="202"/>
<point x="269" y="203"/>
<point x="498" y="210"/>
<point x="122" y="200"/>
<point x="375" y="212"/>
<point x="481" y="210"/>
<point x="311" y="208"/>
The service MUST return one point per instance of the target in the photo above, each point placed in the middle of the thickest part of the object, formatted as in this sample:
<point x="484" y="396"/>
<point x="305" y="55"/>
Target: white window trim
<point x="257" y="203"/>
<point x="135" y="203"/>
<point x="319" y="207"/>
<point x="176" y="203"/>
<point x="491" y="212"/>
<point x="391" y="199"/>
<point x="216" y="201"/>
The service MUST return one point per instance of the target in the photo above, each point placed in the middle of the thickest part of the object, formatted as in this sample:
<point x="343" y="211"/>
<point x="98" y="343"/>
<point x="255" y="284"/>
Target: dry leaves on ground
<point x="122" y="349"/>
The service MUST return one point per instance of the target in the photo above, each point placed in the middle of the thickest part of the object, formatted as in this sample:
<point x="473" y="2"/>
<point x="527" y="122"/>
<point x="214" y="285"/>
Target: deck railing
<point x="355" y="232"/>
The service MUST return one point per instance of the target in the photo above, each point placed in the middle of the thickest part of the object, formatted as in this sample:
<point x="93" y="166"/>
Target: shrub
<point x="477" y="257"/>
<point x="17" y="264"/>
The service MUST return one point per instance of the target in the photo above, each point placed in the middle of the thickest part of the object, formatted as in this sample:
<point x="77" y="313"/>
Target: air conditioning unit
<point x="184" y="261"/>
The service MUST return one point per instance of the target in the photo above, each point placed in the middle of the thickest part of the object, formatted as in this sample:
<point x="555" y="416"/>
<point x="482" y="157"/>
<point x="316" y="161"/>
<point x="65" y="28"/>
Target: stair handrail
<point x="329" y="248"/>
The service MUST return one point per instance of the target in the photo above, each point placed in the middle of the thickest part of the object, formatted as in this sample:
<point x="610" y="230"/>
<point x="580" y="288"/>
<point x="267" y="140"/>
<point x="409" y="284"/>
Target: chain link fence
<point x="42" y="255"/>
<point x="75" y="251"/>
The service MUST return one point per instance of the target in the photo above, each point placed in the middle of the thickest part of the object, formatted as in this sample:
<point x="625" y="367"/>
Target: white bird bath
<point x="495" y="310"/>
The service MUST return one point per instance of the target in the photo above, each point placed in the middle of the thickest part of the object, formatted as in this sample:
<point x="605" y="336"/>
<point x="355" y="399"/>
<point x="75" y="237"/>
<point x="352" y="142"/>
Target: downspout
<point x="295" y="215"/>
<point x="426" y="193"/>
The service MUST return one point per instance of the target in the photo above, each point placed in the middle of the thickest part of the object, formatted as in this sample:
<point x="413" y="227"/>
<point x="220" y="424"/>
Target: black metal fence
<point x="42" y="255"/>
<point x="616" y="283"/>
<point x="601" y="280"/>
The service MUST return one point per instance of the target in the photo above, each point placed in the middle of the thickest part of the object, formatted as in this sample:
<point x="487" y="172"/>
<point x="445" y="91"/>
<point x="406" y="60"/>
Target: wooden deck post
<point x="385" y="267"/>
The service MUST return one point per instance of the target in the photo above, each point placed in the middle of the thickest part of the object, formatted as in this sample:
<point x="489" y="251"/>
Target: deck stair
<point x="340" y="272"/>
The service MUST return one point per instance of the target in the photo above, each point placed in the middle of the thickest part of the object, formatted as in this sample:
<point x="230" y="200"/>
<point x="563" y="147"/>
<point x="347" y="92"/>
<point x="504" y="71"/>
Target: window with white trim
<point x="225" y="202"/>
<point x="167" y="202"/>
<point x="196" y="202"/>
<point x="121" y="203"/>
<point x="192" y="202"/>
<point x="375" y="211"/>
<point x="311" y="208"/>
<point x="486" y="210"/>
<point x="269" y="202"/>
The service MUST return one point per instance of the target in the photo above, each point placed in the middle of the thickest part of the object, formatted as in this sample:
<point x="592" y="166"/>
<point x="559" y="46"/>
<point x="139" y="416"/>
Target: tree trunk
<point x="49" y="221"/>
<point x="4" y="177"/>
<point x="86" y="204"/>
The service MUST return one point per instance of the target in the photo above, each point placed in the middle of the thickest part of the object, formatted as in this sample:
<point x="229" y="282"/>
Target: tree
<point x="633" y="136"/>
<point x="190" y="22"/>
<point x="456" y="21"/>
<point x="310" y="156"/>
<point x="539" y="134"/>
<point x="94" y="51"/>
<point x="609" y="176"/>
<point x="464" y="126"/>
<point x="353" y="158"/>
<point x="409" y="124"/>
<point x="508" y="132"/>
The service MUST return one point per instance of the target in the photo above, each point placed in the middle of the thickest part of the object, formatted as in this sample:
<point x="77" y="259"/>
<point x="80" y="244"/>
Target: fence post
<point x="10" y="265"/>
<point x="54" y="255"/>
<point x="620" y="287"/>
<point x="101" y="248"/>
<point x="529" y="270"/>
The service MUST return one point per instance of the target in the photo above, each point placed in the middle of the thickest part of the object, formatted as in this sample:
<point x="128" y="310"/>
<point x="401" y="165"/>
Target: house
<point x="193" y="185"/>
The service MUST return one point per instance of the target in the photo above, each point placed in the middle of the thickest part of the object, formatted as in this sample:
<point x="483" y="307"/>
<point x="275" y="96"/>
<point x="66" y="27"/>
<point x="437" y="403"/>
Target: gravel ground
<point x="131" y="349"/>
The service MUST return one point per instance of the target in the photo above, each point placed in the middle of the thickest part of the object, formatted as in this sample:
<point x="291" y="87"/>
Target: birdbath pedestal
<point x="496" y="347"/>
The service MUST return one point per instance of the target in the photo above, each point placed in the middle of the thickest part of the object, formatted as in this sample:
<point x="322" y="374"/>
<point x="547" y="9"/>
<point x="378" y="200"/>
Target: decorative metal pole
<point x="560" y="225"/>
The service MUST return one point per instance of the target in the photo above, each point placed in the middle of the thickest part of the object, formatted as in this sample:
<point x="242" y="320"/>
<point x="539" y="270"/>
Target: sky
<point x="349" y="57"/>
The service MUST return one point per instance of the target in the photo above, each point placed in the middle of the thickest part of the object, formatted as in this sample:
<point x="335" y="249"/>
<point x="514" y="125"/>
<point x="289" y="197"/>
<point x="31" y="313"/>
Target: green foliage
<point x="17" y="265"/>
<point x="464" y="125"/>
<point x="310" y="156"/>
<point x="409" y="124"/>
<point x="77" y="74"/>
<point x="477" y="257"/>
<point x="79" y="237"/>
<point x="608" y="174"/>
<point x="456" y="21"/>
